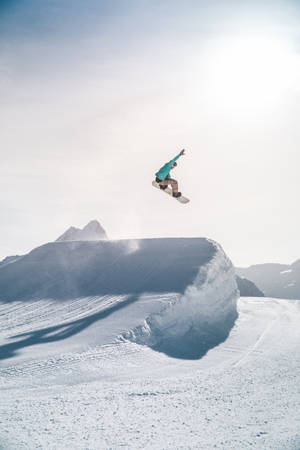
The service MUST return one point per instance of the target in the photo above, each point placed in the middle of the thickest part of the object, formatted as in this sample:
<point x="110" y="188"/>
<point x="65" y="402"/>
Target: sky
<point x="97" y="95"/>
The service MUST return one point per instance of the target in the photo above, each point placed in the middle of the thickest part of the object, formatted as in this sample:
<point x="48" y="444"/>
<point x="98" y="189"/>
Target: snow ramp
<point x="188" y="283"/>
<point x="199" y="319"/>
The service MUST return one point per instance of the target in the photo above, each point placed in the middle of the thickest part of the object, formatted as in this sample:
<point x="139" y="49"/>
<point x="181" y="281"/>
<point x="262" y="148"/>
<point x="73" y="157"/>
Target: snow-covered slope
<point x="189" y="285"/>
<point x="86" y="334"/>
<point x="62" y="270"/>
<point x="93" y="231"/>
<point x="243" y="394"/>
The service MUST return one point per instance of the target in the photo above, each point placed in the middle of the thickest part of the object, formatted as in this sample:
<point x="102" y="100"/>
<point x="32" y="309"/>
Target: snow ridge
<point x="198" y="320"/>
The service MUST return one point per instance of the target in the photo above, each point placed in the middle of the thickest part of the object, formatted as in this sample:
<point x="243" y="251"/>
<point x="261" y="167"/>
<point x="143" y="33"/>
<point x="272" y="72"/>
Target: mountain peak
<point x="94" y="225"/>
<point x="93" y="231"/>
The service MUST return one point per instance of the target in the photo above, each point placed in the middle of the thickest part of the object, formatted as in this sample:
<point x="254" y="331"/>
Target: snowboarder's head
<point x="174" y="165"/>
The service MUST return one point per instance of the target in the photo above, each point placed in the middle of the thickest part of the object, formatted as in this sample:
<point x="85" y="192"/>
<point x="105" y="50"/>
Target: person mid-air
<point x="163" y="176"/>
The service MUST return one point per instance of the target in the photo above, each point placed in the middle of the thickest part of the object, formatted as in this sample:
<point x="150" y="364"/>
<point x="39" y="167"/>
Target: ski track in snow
<point x="242" y="394"/>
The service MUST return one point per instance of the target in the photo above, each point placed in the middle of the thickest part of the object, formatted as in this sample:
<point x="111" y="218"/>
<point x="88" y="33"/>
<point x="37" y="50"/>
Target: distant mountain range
<point x="275" y="280"/>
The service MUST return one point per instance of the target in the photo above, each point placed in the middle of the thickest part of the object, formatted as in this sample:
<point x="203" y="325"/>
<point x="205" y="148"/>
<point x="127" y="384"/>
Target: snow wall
<point x="200" y="319"/>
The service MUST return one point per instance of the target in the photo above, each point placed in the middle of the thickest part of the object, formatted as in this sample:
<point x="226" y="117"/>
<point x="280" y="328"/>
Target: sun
<point x="250" y="74"/>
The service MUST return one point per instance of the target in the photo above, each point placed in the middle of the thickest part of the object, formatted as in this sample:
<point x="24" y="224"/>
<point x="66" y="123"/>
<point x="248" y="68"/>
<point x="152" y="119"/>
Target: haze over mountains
<point x="93" y="231"/>
<point x="275" y="280"/>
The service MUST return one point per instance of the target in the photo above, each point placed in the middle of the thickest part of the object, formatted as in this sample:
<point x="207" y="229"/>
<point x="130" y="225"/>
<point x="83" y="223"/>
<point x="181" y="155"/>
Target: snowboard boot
<point x="163" y="187"/>
<point x="176" y="194"/>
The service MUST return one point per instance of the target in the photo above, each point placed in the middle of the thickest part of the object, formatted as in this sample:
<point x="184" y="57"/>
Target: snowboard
<point x="169" y="192"/>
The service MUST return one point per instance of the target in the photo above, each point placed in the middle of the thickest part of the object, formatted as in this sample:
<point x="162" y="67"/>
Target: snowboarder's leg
<point x="174" y="185"/>
<point x="160" y="185"/>
<point x="172" y="182"/>
<point x="163" y="184"/>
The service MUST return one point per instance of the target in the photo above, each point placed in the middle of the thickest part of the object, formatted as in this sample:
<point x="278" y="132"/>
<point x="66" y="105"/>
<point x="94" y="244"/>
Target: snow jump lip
<point x="200" y="320"/>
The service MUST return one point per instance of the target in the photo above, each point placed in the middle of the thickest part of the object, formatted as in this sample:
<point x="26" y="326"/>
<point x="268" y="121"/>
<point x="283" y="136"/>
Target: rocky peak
<point x="93" y="231"/>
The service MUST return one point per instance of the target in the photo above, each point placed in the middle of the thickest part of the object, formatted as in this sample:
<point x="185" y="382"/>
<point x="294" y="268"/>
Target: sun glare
<point x="250" y="74"/>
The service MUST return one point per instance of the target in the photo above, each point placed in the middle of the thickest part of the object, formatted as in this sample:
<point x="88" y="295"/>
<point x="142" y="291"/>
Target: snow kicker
<point x="193" y="274"/>
<point x="200" y="319"/>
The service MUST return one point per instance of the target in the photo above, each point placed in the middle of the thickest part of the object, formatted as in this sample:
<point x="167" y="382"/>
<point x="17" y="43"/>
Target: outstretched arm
<point x="176" y="157"/>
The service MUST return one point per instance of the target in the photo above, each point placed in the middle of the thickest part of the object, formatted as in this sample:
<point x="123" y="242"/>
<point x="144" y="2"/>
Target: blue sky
<point x="97" y="95"/>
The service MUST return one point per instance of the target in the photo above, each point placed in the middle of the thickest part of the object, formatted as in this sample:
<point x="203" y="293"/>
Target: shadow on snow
<point x="59" y="332"/>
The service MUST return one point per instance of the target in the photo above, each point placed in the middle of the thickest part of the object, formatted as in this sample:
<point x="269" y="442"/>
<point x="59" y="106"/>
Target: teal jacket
<point x="164" y="171"/>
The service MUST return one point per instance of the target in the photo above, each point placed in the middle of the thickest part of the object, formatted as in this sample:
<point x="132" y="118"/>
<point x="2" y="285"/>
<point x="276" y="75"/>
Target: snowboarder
<point x="163" y="176"/>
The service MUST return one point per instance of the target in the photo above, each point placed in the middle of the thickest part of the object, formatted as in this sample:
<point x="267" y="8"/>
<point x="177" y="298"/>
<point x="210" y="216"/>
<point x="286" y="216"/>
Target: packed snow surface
<point x="242" y="394"/>
<point x="149" y="353"/>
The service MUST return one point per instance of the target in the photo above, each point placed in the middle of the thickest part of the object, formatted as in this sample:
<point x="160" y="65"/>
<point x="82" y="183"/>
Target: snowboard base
<point x="168" y="191"/>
